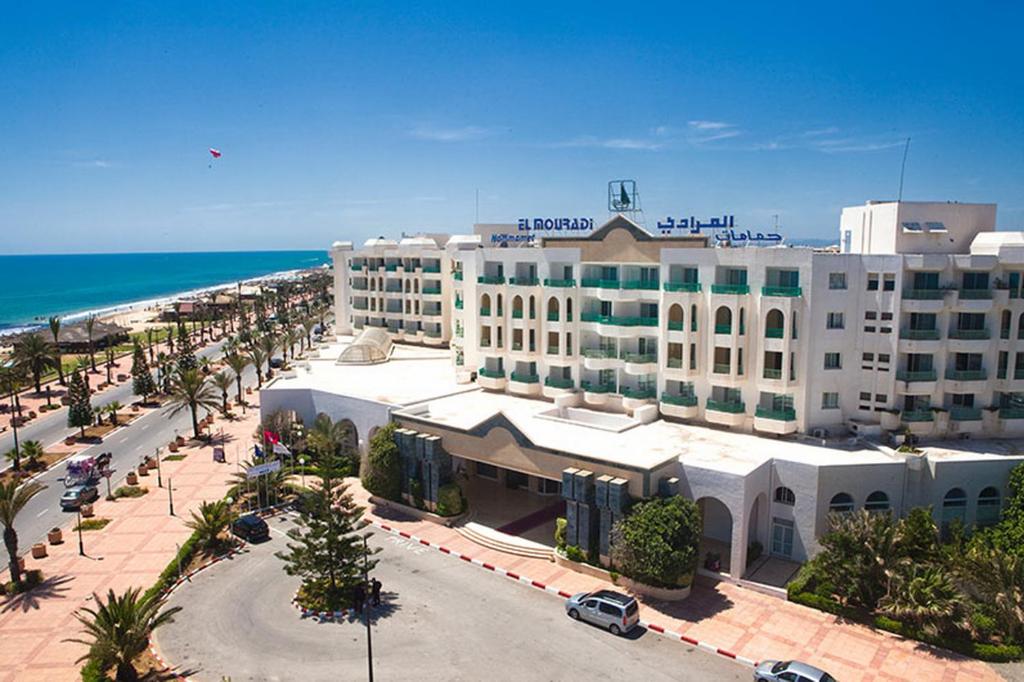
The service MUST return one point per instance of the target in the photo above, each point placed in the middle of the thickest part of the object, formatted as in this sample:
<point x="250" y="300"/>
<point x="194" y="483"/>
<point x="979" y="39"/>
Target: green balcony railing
<point x="517" y="314"/>
<point x="599" y="353"/>
<point x="917" y="416"/>
<point x="731" y="406"/>
<point x="730" y="289"/>
<point x="485" y="343"/>
<point x="920" y="375"/>
<point x="634" y="284"/>
<point x="786" y="414"/>
<point x="432" y="312"/>
<point x="639" y="358"/>
<point x="431" y="268"/>
<point x="965" y="414"/>
<point x="720" y="368"/>
<point x="774" y="332"/>
<point x="432" y="290"/>
<point x="558" y="382"/>
<point x="562" y="283"/>
<point x="359" y="306"/>
<point x="524" y="378"/>
<point x="491" y="373"/>
<point x="595" y="387"/>
<point x="677" y="399"/>
<point x="723" y="329"/>
<point x="781" y="291"/>
<point x="392" y="267"/>
<point x="485" y="312"/>
<point x="638" y="393"/>
<point x="432" y="333"/>
<point x="691" y="287"/>
<point x="359" y="286"/>
<point x="966" y="374"/>
<point x="458" y="304"/>
<point x="770" y="373"/>
<point x="490" y="279"/>
<point x="675" y="326"/>
<point x="975" y="294"/>
<point x="970" y="334"/>
<point x="552" y="317"/>
<point x="599" y="283"/>
<point x="674" y="363"/>
<point x="524" y="281"/>
<point x="619" y="320"/>
<point x="458" y="276"/>
<point x="920" y="334"/>
<point x="1011" y="412"/>
<point x="924" y="294"/>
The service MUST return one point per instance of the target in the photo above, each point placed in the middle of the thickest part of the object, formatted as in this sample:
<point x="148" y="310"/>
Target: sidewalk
<point x="745" y="623"/>
<point x="130" y="552"/>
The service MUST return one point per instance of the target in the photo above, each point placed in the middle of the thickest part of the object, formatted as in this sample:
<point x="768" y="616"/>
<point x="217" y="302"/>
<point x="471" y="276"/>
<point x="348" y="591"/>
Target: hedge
<point x="994" y="653"/>
<point x="449" y="500"/>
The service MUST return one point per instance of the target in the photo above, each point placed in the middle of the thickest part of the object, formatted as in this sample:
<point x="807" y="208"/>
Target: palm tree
<point x="55" y="330"/>
<point x="90" y="322"/>
<point x="268" y="344"/>
<point x="328" y="437"/>
<point x="189" y="389"/>
<point x="923" y="595"/>
<point x="35" y="355"/>
<point x="112" y="408"/>
<point x="119" y="630"/>
<point x="210" y="523"/>
<point x="307" y="327"/>
<point x="258" y="358"/>
<point x="237" y="362"/>
<point x="996" y="577"/>
<point x="170" y="339"/>
<point x="32" y="450"/>
<point x="292" y="337"/>
<point x="223" y="381"/>
<point x="149" y="343"/>
<point x="12" y="500"/>
<point x="110" y="363"/>
<point x="83" y="366"/>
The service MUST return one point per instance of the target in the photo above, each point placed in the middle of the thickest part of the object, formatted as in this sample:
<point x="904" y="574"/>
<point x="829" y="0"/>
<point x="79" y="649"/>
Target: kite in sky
<point x="215" y="153"/>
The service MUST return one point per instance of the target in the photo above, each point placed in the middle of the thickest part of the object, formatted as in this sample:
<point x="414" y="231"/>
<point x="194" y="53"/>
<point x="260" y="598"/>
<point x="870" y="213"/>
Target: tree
<point x="170" y="339"/>
<point x="223" y="381"/>
<point x="995" y="579"/>
<point x="268" y="344"/>
<point x="383" y="473"/>
<point x="112" y="408"/>
<point x="13" y="498"/>
<point x="55" y="331"/>
<point x="1008" y="534"/>
<point x="860" y="556"/>
<point x="922" y="594"/>
<point x="237" y="362"/>
<point x="258" y="358"/>
<point x="32" y="450"/>
<point x="657" y="543"/>
<point x="163" y="371"/>
<point x="90" y="323"/>
<point x="211" y="523"/>
<point x="918" y="539"/>
<point x="150" y="331"/>
<point x="186" y="355"/>
<point x="119" y="629"/>
<point x="329" y="439"/>
<point x="80" y="411"/>
<point x="307" y="328"/>
<point x="35" y="354"/>
<point x="326" y="550"/>
<point x="189" y="389"/>
<point x="142" y="381"/>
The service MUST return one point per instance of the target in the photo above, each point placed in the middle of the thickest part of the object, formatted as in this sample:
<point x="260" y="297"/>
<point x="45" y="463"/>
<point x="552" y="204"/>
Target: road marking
<point x="41" y="513"/>
<point x="145" y="426"/>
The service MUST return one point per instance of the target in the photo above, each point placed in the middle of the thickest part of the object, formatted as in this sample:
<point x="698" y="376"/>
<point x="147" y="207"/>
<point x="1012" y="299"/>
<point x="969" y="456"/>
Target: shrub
<point x="130" y="491"/>
<point x="92" y="524"/>
<point x="657" y="543"/>
<point x="561" y="524"/>
<point x="383" y="471"/>
<point x="574" y="553"/>
<point x="816" y="601"/>
<point x="449" y="500"/>
<point x="416" y="491"/>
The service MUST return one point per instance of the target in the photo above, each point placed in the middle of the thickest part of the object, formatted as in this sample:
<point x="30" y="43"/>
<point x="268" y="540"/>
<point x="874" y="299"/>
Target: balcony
<point x="596" y="393"/>
<point x="524" y="281"/>
<point x="524" y="378"/>
<point x="732" y="407"/>
<point x="392" y="267"/>
<point x="620" y="320"/>
<point x="598" y="353"/>
<point x="675" y="326"/>
<point x="917" y="416"/>
<point x="433" y="269"/>
<point x="686" y="287"/>
<point x="966" y="374"/>
<point x="359" y="306"/>
<point x="458" y="304"/>
<point x="791" y="292"/>
<point x="490" y="279"/>
<point x="1011" y="412"/>
<point x="965" y="414"/>
<point x="493" y="379"/>
<point x="722" y="368"/>
<point x="723" y="329"/>
<point x="730" y="289"/>
<point x="561" y="283"/>
<point x="779" y="422"/>
<point x="974" y="294"/>
<point x="639" y="358"/>
<point x="517" y="314"/>
<point x="924" y="294"/>
<point x="970" y="334"/>
<point x="359" y="286"/>
<point x="920" y="334"/>
<point x="599" y="283"/>
<point x="773" y="374"/>
<point x="725" y="413"/>
<point x="432" y="290"/>
<point x="558" y="382"/>
<point x="677" y="405"/>
<point x="678" y="399"/>
<point x="485" y="312"/>
<point x="458" y="276"/>
<point x="785" y="415"/>
<point x="633" y="398"/>
<point x="918" y="375"/>
<point x="774" y="332"/>
<point x="639" y="284"/>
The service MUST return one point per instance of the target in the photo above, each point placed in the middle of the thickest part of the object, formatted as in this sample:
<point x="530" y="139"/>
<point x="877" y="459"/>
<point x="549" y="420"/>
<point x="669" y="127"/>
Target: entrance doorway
<point x="782" y="538"/>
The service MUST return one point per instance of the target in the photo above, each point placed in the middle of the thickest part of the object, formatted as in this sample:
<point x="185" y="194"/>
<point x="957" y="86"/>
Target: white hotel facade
<point x="762" y="382"/>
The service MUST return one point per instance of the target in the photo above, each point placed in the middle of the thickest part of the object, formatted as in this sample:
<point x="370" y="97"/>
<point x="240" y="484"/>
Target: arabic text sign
<point x="261" y="469"/>
<point x="722" y="229"/>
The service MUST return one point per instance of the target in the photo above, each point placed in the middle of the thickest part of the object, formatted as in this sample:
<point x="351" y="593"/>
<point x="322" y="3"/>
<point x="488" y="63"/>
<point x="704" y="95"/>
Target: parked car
<point x="790" y="671"/>
<point x="251" y="528"/>
<point x="277" y="363"/>
<point x="75" y="496"/>
<point x="616" y="612"/>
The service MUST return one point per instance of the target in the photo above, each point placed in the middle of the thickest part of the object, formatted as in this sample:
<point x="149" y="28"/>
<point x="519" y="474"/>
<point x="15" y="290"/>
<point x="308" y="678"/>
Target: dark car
<point x="277" y="363"/>
<point x="75" y="496"/>
<point x="251" y="528"/>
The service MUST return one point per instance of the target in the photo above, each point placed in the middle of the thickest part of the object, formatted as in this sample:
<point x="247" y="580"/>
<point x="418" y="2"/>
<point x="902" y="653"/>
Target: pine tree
<point x="326" y="549"/>
<point x="80" y="412"/>
<point x="142" y="381"/>
<point x="186" y="355"/>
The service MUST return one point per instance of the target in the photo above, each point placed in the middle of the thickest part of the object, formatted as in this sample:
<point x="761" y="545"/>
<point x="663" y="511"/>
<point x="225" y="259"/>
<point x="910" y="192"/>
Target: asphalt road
<point x="442" y="619"/>
<point x="127" y="447"/>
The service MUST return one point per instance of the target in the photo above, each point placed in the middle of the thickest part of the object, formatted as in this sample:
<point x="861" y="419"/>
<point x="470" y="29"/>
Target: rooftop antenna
<point x="903" y="168"/>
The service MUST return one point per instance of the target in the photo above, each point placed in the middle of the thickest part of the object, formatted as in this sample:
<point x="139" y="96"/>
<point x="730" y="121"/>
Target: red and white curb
<point x="321" y="615"/>
<point x="551" y="589"/>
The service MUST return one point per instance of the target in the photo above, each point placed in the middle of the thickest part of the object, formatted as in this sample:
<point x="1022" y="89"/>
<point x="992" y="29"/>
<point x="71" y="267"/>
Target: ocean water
<point x="32" y="288"/>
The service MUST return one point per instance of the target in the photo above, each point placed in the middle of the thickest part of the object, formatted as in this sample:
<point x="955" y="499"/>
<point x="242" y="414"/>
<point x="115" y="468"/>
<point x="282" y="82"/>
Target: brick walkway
<point x="130" y="552"/>
<point x="746" y="623"/>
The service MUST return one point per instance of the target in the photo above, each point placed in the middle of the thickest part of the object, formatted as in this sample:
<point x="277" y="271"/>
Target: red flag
<point x="271" y="437"/>
<point x="215" y="153"/>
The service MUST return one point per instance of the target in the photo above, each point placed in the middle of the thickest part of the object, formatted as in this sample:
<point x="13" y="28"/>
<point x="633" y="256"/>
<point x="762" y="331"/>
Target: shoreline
<point x="116" y="311"/>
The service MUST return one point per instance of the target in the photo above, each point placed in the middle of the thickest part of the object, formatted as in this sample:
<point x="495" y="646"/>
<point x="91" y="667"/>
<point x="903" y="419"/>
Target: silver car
<point x="790" y="671"/>
<point x="615" y="612"/>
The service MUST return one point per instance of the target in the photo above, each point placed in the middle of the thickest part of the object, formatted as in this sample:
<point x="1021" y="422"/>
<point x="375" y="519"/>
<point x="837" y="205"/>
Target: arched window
<point x="1004" y="327"/>
<point x="841" y="503"/>
<point x="775" y="324"/>
<point x="675" y="317"/>
<point x="416" y="286"/>
<point x="954" y="508"/>
<point x="784" y="495"/>
<point x="693" y="317"/>
<point x="500" y="310"/>
<point x="517" y="306"/>
<point x="553" y="309"/>
<point x="485" y="304"/>
<point x="989" y="506"/>
<point x="877" y="501"/>
<point x="723" y="320"/>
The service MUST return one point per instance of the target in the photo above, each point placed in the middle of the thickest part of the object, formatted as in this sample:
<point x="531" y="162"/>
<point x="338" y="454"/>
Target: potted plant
<point x="143" y="469"/>
<point x="180" y="440"/>
<point x="173" y="446"/>
<point x="70" y="440"/>
<point x="135" y="407"/>
<point x="151" y="463"/>
<point x="55" y="536"/>
<point x="39" y="550"/>
<point x="87" y="510"/>
<point x="132" y="478"/>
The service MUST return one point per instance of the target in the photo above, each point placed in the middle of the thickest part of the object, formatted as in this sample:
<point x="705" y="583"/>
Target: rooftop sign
<point x="721" y="229"/>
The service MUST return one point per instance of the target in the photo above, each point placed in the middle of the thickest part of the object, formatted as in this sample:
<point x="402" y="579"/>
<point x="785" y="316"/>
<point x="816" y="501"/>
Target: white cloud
<point x="458" y="134"/>
<point x="610" y="143"/>
<point x="92" y="163"/>
<point x="709" y="125"/>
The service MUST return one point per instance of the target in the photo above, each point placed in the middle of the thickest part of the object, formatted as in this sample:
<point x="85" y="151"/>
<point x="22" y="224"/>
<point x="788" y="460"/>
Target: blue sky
<point x="349" y="120"/>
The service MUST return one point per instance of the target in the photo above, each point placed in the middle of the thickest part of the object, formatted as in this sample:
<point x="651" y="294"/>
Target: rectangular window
<point x="833" y="361"/>
<point x="834" y="321"/>
<point x="883" y="358"/>
<point x="889" y="283"/>
<point x="886" y="316"/>
<point x="865" y="395"/>
<point x="872" y="281"/>
<point x="880" y="397"/>
<point x="869" y="330"/>
<point x="837" y="280"/>
<point x="830" y="401"/>
<point x="869" y="357"/>
<point x="870" y="315"/>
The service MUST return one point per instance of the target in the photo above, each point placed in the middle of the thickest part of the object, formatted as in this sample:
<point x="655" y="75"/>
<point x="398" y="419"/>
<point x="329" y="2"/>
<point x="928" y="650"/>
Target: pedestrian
<point x="359" y="597"/>
<point x="375" y="588"/>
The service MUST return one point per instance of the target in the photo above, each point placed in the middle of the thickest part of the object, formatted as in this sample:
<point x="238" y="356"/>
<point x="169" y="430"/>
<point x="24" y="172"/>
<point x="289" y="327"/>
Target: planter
<point x="31" y="414"/>
<point x="135" y="407"/>
<point x="180" y="440"/>
<point x="21" y="563"/>
<point x="70" y="440"/>
<point x="659" y="593"/>
<point x="173" y="446"/>
<point x="248" y="390"/>
<point x="55" y="536"/>
<point x="143" y="470"/>
<point x="132" y="478"/>
<point x="381" y="503"/>
<point x="86" y="511"/>
<point x="38" y="550"/>
<point x="151" y="463"/>
<point x="585" y="569"/>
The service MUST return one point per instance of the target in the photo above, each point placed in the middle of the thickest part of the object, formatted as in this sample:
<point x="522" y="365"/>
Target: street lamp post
<point x="170" y="496"/>
<point x="366" y="610"/>
<point x="81" y="545"/>
<point x="159" y="478"/>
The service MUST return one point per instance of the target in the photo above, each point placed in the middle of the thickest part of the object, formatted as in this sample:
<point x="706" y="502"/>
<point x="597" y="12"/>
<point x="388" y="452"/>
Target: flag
<point x="623" y="195"/>
<point x="258" y="454"/>
<point x="215" y="153"/>
<point x="271" y="437"/>
<point x="280" y="449"/>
